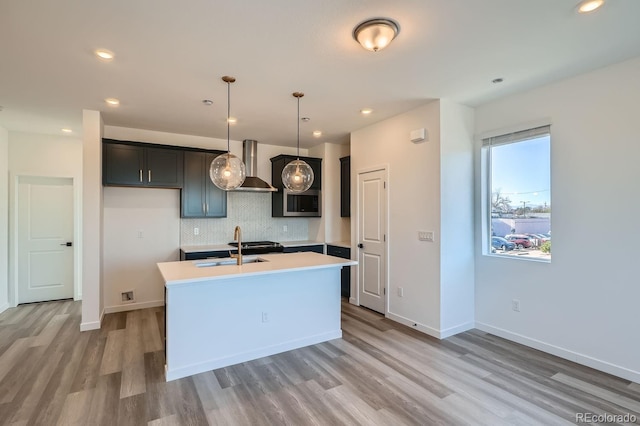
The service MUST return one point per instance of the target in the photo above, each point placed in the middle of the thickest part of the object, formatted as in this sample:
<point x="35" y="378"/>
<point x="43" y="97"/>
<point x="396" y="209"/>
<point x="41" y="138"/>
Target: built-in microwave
<point x="302" y="203"/>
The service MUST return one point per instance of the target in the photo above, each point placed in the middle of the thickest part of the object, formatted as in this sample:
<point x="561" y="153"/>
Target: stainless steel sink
<point x="205" y="263"/>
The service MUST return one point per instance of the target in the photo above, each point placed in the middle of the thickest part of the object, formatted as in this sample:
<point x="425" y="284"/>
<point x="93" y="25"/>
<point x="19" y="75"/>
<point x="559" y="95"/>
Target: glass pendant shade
<point x="297" y="176"/>
<point x="227" y="171"/>
<point x="376" y="34"/>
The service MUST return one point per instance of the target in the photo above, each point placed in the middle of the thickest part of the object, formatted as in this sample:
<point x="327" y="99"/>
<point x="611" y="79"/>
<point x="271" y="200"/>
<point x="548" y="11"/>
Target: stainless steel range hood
<point x="252" y="183"/>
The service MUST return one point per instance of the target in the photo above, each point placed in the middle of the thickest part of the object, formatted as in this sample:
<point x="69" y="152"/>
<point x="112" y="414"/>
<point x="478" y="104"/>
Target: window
<point x="517" y="192"/>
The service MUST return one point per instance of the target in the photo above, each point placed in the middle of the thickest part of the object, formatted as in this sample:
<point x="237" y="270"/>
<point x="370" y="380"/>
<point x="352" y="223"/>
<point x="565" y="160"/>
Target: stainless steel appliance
<point x="259" y="247"/>
<point x="306" y="203"/>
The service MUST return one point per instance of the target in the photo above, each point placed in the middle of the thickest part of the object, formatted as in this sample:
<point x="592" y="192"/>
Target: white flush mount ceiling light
<point x="366" y="111"/>
<point x="589" y="5"/>
<point x="297" y="176"/>
<point x="227" y="171"/>
<point x="317" y="133"/>
<point x="376" y="34"/>
<point x="66" y="130"/>
<point x="104" y="54"/>
<point x="112" y="101"/>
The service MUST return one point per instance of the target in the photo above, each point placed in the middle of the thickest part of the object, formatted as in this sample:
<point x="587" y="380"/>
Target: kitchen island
<point x="223" y="315"/>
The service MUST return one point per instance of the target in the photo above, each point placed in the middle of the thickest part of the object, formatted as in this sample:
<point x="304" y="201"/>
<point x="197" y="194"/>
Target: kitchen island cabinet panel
<point x="200" y="197"/>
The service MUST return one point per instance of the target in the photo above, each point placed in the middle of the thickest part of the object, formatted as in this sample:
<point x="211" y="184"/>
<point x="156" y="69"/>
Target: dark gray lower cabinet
<point x="204" y="254"/>
<point x="317" y="248"/>
<point x="345" y="277"/>
<point x="200" y="197"/>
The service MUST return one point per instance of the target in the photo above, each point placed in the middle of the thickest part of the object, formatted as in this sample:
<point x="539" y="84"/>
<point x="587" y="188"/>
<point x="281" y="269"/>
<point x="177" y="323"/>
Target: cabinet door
<point x="122" y="165"/>
<point x="164" y="168"/>
<point x="296" y="249"/>
<point x="345" y="187"/>
<point x="216" y="198"/>
<point x="194" y="186"/>
<point x="316" y="166"/>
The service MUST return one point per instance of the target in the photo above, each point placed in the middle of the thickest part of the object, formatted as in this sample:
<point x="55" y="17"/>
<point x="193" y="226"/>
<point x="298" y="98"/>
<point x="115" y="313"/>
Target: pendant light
<point x="297" y="176"/>
<point x="227" y="171"/>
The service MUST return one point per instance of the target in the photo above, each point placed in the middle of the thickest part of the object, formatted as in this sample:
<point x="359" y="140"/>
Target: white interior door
<point x="45" y="239"/>
<point x="372" y="224"/>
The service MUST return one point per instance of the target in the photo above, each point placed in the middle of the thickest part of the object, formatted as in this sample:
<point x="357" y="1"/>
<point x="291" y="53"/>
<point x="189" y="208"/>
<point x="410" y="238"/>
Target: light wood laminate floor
<point x="379" y="373"/>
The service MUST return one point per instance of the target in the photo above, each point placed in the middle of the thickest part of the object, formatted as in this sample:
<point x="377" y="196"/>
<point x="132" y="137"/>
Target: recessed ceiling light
<point x="112" y="101"/>
<point x="67" y="130"/>
<point x="366" y="111"/>
<point x="497" y="80"/>
<point x="104" y="54"/>
<point x="317" y="133"/>
<point x="207" y="102"/>
<point x="232" y="120"/>
<point x="590" y="5"/>
<point x="305" y="119"/>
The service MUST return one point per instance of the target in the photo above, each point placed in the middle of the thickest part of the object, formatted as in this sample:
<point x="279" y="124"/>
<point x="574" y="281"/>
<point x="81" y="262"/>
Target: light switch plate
<point x="425" y="236"/>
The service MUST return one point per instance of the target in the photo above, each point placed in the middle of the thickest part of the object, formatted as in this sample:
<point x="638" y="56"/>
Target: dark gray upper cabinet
<point x="277" y="165"/>
<point x="345" y="186"/>
<point x="200" y="197"/>
<point x="138" y="164"/>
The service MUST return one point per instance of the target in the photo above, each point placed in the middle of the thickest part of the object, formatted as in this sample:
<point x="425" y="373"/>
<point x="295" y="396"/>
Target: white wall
<point x="456" y="214"/>
<point x="143" y="229"/>
<point x="584" y="304"/>
<point x="31" y="154"/>
<point x="330" y="227"/>
<point x="414" y="204"/>
<point x="4" y="219"/>
<point x="92" y="302"/>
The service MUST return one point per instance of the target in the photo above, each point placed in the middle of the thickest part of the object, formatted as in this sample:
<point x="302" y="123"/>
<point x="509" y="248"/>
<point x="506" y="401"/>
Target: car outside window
<point x="517" y="188"/>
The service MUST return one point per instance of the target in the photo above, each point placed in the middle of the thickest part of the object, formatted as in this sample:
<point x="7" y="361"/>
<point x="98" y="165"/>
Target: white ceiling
<point x="170" y="55"/>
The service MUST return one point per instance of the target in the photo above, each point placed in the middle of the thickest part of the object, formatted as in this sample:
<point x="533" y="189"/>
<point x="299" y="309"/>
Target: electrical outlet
<point x="265" y="317"/>
<point x="400" y="292"/>
<point x="140" y="233"/>
<point x="285" y="228"/>
<point x="515" y="305"/>
<point x="196" y="231"/>
<point x="127" y="296"/>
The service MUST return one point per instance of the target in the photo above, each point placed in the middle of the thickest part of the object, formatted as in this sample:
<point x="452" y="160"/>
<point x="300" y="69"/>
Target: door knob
<point x="360" y="245"/>
<point x="67" y="244"/>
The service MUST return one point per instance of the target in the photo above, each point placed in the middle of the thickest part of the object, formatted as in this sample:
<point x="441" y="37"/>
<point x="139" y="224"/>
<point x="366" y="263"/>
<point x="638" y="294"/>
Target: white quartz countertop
<point x="186" y="272"/>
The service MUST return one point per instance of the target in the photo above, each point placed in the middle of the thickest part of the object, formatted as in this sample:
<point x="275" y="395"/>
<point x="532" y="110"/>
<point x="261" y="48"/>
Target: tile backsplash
<point x="252" y="211"/>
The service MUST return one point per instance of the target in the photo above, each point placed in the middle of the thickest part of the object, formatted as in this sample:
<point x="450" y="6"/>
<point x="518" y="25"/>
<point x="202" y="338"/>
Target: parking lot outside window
<point x="517" y="192"/>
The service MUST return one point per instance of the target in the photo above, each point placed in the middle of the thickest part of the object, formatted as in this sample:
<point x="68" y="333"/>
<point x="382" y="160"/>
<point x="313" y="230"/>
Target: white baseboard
<point x="576" y="357"/>
<point x="4" y="307"/>
<point x="92" y="325"/>
<point x="413" y="324"/>
<point x="133" y="306"/>
<point x="189" y="370"/>
<point x="353" y="301"/>
<point x="452" y="331"/>
<point x="439" y="334"/>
